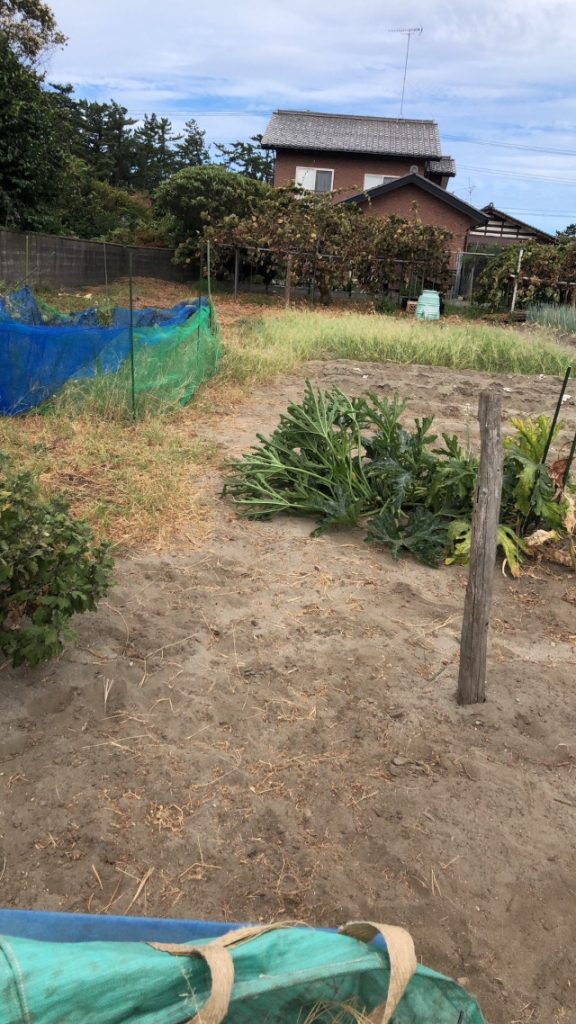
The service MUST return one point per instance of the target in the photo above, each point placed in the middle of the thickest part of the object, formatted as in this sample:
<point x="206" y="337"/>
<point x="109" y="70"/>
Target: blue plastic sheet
<point x="41" y="350"/>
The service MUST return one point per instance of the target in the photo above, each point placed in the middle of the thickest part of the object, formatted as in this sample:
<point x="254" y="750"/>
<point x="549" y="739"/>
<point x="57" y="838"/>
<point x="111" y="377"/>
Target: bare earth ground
<point x="266" y="727"/>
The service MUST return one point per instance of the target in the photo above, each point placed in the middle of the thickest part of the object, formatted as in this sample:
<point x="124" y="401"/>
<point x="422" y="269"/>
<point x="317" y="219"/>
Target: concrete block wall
<point x="53" y="261"/>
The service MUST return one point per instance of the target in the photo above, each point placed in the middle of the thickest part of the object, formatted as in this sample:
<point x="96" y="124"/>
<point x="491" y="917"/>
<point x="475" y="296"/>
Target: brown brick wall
<point x="428" y="209"/>
<point x="348" y="170"/>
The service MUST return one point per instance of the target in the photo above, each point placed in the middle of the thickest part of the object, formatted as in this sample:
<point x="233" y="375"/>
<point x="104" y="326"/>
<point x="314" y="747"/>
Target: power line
<point x="518" y="176"/>
<point x="203" y="113"/>
<point x="541" y="213"/>
<point x="446" y="135"/>
<point x="510" y="145"/>
<point x="177" y="112"/>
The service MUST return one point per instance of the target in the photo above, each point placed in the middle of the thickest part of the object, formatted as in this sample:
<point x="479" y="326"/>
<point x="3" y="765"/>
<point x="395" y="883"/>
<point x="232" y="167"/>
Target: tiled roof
<point x="495" y="214"/>
<point x="445" y="165"/>
<point x="349" y="133"/>
<point x="476" y="216"/>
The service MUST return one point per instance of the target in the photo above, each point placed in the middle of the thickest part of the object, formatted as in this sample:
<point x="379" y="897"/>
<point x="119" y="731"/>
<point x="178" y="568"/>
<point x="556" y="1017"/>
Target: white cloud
<point x="501" y="70"/>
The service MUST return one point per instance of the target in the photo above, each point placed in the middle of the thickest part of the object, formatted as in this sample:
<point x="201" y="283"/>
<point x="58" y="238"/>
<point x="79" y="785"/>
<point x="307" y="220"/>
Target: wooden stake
<point x="478" y="600"/>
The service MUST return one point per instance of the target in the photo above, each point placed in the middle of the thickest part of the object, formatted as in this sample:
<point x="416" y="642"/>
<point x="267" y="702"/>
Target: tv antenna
<point x="408" y="32"/>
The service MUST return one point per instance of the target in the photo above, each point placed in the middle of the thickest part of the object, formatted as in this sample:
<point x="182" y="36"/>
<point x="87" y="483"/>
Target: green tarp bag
<point x="268" y="974"/>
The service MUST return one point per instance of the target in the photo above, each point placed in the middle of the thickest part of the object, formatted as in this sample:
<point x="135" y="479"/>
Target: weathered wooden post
<point x="478" y="600"/>
<point x="516" y="281"/>
<point x="288" y="288"/>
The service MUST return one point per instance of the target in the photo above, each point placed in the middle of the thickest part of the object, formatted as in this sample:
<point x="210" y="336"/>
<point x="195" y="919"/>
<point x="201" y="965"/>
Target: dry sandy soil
<point x="266" y="727"/>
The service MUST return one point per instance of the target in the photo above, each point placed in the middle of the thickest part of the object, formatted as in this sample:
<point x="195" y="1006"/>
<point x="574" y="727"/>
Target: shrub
<point x="50" y="569"/>
<point x="386" y="306"/>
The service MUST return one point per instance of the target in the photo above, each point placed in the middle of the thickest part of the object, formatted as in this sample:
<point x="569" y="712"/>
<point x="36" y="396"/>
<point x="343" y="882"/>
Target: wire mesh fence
<point x="139" y="361"/>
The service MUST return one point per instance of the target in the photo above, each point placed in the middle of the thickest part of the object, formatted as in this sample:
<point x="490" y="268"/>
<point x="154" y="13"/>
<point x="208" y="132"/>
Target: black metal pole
<point x="200" y="269"/>
<point x="236" y="272"/>
<point x="131" y="300"/>
<point x="556" y="414"/>
<point x="209" y="271"/>
<point x="105" y="270"/>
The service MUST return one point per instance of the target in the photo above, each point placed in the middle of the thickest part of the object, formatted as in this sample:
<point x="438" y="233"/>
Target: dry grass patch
<point x="135" y="484"/>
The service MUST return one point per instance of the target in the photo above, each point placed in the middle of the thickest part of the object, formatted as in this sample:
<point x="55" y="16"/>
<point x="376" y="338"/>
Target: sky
<point x="499" y="77"/>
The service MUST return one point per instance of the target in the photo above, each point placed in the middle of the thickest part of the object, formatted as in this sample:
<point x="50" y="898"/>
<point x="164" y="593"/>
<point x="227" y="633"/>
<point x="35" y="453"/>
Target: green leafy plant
<point x="50" y="569"/>
<point x="350" y="461"/>
<point x="422" y="533"/>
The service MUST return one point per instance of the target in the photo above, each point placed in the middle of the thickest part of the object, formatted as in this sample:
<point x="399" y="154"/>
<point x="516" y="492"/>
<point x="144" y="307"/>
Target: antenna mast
<point x="408" y="32"/>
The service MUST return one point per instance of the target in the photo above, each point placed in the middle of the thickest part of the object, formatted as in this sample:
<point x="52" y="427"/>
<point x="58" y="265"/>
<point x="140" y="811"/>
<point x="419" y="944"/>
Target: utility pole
<point x="408" y="32"/>
<point x="516" y="278"/>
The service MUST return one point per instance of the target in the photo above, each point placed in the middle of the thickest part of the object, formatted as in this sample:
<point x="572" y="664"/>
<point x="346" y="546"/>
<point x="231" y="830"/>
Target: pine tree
<point x="105" y="142"/>
<point x="155" y="152"/>
<point x="192" y="151"/>
<point x="248" y="158"/>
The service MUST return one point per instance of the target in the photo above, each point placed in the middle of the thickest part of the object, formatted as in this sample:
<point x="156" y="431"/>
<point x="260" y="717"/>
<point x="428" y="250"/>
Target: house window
<point x="315" y="179"/>
<point x="373" y="180"/>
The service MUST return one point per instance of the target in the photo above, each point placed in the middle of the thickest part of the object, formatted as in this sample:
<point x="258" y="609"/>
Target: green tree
<point x="568" y="235"/>
<point x="191" y="151"/>
<point x="31" y="155"/>
<point x="102" y="138"/>
<point x="68" y="116"/>
<point x="155" y="153"/>
<point x="398" y="252"/>
<point x="248" y="158"/>
<point x="197" y="197"/>
<point x="331" y="245"/>
<point x="29" y="28"/>
<point x="543" y="275"/>
<point x="91" y="208"/>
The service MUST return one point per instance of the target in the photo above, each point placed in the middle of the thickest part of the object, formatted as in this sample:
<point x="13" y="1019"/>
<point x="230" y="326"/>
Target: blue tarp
<point x="40" y="351"/>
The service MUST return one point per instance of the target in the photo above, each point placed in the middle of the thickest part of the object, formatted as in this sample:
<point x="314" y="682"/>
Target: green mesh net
<point x="149" y="359"/>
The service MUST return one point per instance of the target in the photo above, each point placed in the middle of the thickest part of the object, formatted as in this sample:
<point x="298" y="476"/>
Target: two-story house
<point x="388" y="165"/>
<point x="347" y="154"/>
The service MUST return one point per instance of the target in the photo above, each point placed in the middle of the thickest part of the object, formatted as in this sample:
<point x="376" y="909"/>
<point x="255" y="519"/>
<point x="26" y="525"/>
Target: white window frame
<point x="386" y="178"/>
<point x="305" y="170"/>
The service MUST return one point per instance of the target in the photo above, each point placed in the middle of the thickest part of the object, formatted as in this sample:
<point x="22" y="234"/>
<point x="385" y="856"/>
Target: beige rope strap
<point x="221" y="966"/>
<point x="402" y="958"/>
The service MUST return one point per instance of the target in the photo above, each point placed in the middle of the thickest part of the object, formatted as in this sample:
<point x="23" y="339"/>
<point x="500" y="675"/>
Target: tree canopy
<point x="29" y="28"/>
<point x="31" y="154"/>
<point x="331" y="245"/>
<point x="248" y="158"/>
<point x="197" y="197"/>
<point x="547" y="274"/>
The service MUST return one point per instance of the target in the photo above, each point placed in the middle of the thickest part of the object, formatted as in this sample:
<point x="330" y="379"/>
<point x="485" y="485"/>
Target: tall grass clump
<point x="259" y="349"/>
<point x="561" y="318"/>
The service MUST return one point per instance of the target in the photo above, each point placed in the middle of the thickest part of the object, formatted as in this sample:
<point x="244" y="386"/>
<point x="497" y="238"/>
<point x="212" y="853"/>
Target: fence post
<point x="208" y="272"/>
<point x="131" y="330"/>
<point x="457" y="275"/>
<point x="236" y="272"/>
<point x="105" y="269"/>
<point x="288" y="288"/>
<point x="516" y="279"/>
<point x="478" y="600"/>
